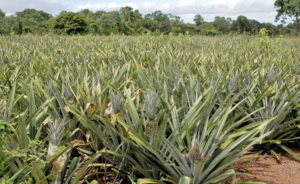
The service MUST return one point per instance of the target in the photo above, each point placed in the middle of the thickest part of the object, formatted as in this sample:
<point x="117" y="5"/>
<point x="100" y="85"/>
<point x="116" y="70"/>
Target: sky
<point x="261" y="10"/>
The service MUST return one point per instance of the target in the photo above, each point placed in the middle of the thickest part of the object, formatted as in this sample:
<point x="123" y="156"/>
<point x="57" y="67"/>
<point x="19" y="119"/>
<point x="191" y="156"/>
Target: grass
<point x="144" y="109"/>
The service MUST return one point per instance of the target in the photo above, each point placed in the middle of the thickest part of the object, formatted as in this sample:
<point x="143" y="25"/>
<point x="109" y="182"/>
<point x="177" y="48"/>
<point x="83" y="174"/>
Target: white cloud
<point x="187" y="2"/>
<point x="98" y="6"/>
<point x="148" y="5"/>
<point x="12" y="6"/>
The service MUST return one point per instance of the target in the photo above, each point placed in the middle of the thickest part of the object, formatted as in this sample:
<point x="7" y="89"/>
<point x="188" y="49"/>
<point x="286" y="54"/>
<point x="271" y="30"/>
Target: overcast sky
<point x="262" y="10"/>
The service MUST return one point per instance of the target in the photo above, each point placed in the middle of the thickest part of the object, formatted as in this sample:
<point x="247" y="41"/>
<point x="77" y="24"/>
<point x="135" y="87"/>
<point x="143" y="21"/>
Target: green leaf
<point x="148" y="181"/>
<point x="185" y="180"/>
<point x="38" y="174"/>
<point x="80" y="173"/>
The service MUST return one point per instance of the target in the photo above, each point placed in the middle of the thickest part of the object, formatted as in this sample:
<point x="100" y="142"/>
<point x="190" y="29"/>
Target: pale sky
<point x="261" y="10"/>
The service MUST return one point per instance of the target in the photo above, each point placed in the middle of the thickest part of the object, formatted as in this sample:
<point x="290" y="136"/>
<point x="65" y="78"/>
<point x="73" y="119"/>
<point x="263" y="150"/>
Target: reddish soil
<point x="269" y="170"/>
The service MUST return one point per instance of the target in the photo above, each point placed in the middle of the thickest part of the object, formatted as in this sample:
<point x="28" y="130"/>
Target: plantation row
<point x="144" y="109"/>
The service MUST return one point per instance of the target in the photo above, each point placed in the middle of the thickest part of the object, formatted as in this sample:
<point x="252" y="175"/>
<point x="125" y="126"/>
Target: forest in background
<point x="128" y="21"/>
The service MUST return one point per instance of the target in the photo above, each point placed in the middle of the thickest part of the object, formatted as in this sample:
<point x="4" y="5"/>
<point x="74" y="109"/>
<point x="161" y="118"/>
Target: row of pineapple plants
<point x="144" y="109"/>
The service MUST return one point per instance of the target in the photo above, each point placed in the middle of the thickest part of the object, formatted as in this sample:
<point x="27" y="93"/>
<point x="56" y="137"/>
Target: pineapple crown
<point x="116" y="102"/>
<point x="56" y="130"/>
<point x="150" y="103"/>
<point x="234" y="82"/>
<point x="271" y="76"/>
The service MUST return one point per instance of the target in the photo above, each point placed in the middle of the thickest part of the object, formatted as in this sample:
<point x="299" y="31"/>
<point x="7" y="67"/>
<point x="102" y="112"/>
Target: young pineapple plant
<point x="150" y="110"/>
<point x="115" y="106"/>
<point x="56" y="133"/>
<point x="211" y="100"/>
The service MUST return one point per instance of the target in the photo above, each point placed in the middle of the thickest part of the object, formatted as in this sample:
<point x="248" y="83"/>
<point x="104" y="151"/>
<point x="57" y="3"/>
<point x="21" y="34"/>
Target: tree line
<point x="128" y="21"/>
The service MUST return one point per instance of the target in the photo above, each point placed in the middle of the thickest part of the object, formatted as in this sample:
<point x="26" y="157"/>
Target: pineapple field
<point x="145" y="109"/>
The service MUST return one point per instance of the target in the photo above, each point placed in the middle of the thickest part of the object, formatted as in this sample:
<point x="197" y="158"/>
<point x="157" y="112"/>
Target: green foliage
<point x="37" y="16"/>
<point x="288" y="8"/>
<point x="198" y="19"/>
<point x="208" y="29"/>
<point x="128" y="21"/>
<point x="2" y="14"/>
<point x="34" y="21"/>
<point x="222" y="25"/>
<point x="264" y="42"/>
<point x="241" y="24"/>
<point x="69" y="23"/>
<point x="27" y="29"/>
<point x="143" y="108"/>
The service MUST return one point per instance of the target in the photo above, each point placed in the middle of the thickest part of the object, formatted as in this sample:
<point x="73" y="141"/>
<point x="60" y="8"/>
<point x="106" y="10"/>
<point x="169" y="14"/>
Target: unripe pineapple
<point x="149" y="127"/>
<point x="115" y="106"/>
<point x="271" y="76"/>
<point x="195" y="153"/>
<point x="150" y="104"/>
<point x="116" y="102"/>
<point x="234" y="83"/>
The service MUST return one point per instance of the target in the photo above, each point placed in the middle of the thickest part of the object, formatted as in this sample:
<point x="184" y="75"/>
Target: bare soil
<point x="269" y="170"/>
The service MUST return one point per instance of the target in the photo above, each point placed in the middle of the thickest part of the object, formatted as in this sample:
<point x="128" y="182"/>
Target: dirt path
<point x="269" y="170"/>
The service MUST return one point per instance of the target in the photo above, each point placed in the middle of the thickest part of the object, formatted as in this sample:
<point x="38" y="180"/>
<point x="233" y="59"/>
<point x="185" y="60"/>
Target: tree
<point x="69" y="23"/>
<point x="241" y="24"/>
<point x="271" y="29"/>
<point x="18" y="29"/>
<point x="86" y="12"/>
<point x="108" y="22"/>
<point x="254" y="26"/>
<point x="2" y="14"/>
<point x="34" y="20"/>
<point x="126" y="14"/>
<point x="222" y="24"/>
<point x="27" y="29"/>
<point x="160" y="22"/>
<point x="198" y="19"/>
<point x="91" y="19"/>
<point x="289" y="8"/>
<point x="36" y="15"/>
<point x="130" y="20"/>
<point x="100" y="13"/>
<point x="291" y="26"/>
<point x="208" y="28"/>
